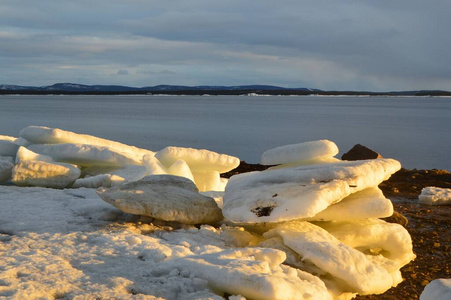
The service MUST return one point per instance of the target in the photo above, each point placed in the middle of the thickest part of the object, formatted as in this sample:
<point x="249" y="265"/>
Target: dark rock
<point x="244" y="167"/>
<point x="359" y="152"/>
<point x="397" y="218"/>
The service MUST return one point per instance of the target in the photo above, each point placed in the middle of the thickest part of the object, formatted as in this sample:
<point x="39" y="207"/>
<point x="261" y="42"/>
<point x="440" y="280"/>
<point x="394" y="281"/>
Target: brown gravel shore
<point x="429" y="227"/>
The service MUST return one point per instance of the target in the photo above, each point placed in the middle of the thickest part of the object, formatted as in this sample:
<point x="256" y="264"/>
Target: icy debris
<point x="299" y="192"/>
<point x="198" y="159"/>
<point x="164" y="197"/>
<point x="310" y="227"/>
<point x="438" y="289"/>
<point x="46" y="135"/>
<point x="45" y="174"/>
<point x="6" y="166"/>
<point x="254" y="273"/>
<point x="435" y="196"/>
<point x="302" y="152"/>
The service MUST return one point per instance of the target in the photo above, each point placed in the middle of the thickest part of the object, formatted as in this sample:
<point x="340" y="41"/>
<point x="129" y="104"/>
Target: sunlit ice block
<point x="350" y="268"/>
<point x="435" y="196"/>
<point x="207" y="180"/>
<point x="369" y="203"/>
<point x="7" y="138"/>
<point x="181" y="168"/>
<point x="45" y="174"/>
<point x="299" y="192"/>
<point x="255" y="273"/>
<point x="85" y="155"/>
<point x="24" y="154"/>
<point x="154" y="166"/>
<point x="374" y="237"/>
<point x="307" y="151"/>
<point x="198" y="159"/>
<point x="46" y="135"/>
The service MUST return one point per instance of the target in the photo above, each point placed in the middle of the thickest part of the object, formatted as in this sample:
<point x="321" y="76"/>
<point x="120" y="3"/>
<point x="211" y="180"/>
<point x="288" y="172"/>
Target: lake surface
<point x="413" y="130"/>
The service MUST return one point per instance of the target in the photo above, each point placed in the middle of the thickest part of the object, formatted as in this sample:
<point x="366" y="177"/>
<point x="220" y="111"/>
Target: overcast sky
<point x="332" y="45"/>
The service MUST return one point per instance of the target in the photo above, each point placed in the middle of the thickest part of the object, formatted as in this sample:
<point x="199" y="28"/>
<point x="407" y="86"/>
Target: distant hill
<point x="74" y="88"/>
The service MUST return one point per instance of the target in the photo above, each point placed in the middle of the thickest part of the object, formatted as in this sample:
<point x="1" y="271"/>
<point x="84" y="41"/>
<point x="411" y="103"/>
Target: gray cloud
<point x="376" y="45"/>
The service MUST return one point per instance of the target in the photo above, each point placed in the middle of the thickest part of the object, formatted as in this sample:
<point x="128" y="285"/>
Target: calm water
<point x="415" y="131"/>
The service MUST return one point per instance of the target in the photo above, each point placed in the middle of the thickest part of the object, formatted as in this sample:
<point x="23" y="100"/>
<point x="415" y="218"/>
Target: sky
<point x="325" y="44"/>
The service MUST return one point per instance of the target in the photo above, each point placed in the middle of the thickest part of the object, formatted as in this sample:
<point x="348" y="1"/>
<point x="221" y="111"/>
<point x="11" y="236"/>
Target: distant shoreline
<point x="234" y="93"/>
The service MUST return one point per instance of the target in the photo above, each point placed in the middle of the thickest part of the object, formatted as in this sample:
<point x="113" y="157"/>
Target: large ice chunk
<point x="181" y="168"/>
<point x="302" y="152"/>
<point x="46" y="135"/>
<point x="6" y="166"/>
<point x="369" y="203"/>
<point x="85" y="155"/>
<point x="164" y="197"/>
<point x="352" y="270"/>
<point x="154" y="166"/>
<point x="299" y="192"/>
<point x="45" y="174"/>
<point x="438" y="289"/>
<point x="198" y="159"/>
<point x="375" y="237"/>
<point x="254" y="273"/>
<point x="207" y="180"/>
<point x="24" y="154"/>
<point x="435" y="196"/>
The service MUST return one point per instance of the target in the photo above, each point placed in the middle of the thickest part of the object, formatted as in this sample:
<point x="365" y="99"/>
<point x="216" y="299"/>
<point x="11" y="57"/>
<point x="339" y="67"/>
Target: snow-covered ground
<point x="69" y="243"/>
